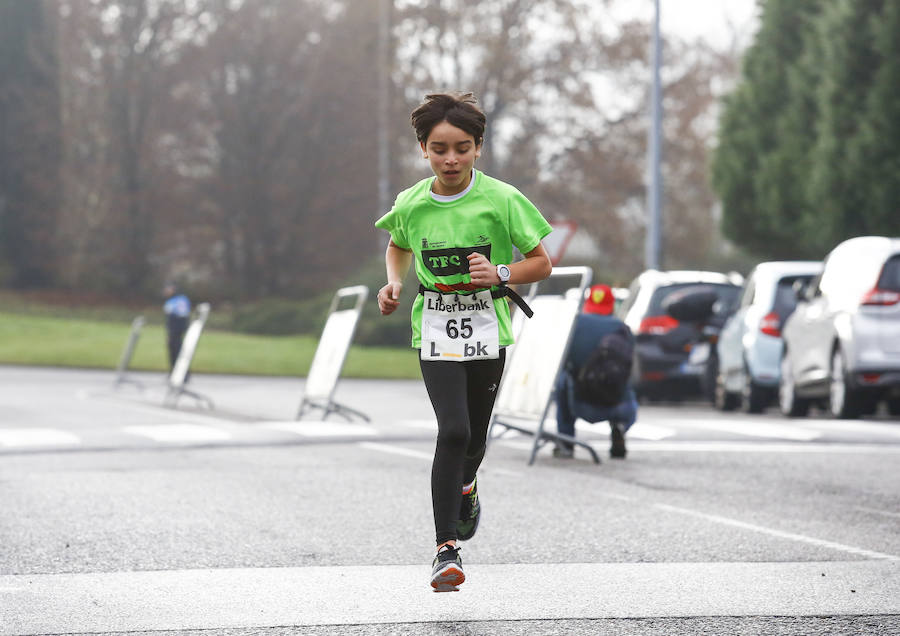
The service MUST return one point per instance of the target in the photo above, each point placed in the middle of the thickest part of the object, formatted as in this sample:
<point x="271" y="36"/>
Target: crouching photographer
<point x="594" y="383"/>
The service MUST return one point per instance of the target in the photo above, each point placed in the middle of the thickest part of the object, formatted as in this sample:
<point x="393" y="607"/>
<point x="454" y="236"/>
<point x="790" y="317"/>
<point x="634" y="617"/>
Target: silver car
<point x="842" y="343"/>
<point x="749" y="346"/>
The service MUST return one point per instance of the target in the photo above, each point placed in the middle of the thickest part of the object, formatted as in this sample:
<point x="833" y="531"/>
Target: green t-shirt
<point x="491" y="218"/>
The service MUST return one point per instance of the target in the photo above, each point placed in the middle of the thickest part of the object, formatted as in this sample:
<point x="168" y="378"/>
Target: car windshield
<point x="890" y="274"/>
<point x="728" y="295"/>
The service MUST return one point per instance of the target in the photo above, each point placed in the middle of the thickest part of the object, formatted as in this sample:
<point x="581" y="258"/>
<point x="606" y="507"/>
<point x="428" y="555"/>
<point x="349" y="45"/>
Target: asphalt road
<point x="121" y="516"/>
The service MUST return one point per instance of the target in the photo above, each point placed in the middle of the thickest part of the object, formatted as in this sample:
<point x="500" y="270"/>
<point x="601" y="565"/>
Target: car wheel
<point x="754" y="397"/>
<point x="843" y="401"/>
<point x="788" y="402"/>
<point x="723" y="399"/>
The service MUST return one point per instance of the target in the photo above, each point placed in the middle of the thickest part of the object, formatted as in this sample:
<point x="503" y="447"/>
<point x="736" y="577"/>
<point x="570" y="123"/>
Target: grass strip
<point x="53" y="341"/>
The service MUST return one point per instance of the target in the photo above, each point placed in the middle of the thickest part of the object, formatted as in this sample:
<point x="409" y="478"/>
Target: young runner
<point x="459" y="227"/>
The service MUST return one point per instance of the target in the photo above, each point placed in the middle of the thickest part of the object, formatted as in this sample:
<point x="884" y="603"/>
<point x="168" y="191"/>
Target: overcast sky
<point x="713" y="20"/>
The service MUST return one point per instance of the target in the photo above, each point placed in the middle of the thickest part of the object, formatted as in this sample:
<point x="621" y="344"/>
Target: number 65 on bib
<point x="459" y="327"/>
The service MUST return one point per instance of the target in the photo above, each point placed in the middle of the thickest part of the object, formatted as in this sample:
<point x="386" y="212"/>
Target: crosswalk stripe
<point x="179" y="433"/>
<point x="15" y="437"/>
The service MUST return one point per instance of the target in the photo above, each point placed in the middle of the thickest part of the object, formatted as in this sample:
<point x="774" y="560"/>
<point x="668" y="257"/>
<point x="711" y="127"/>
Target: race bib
<point x="459" y="327"/>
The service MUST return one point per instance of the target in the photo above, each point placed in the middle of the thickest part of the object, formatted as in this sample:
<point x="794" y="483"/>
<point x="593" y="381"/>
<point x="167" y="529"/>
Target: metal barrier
<point x="533" y="363"/>
<point x="127" y="353"/>
<point x="179" y="375"/>
<point x="330" y="355"/>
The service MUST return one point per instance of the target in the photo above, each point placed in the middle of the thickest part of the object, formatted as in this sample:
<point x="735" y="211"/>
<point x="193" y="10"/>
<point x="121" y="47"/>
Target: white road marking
<point x="749" y="428"/>
<point x="408" y="452"/>
<point x="642" y="430"/>
<point x="397" y="450"/>
<point x="427" y="424"/>
<point x="159" y="411"/>
<point x="181" y="600"/>
<point x="759" y="447"/>
<point x="10" y="437"/>
<point x="613" y="495"/>
<point x="876" y="511"/>
<point x="179" y="433"/>
<point x="822" y="543"/>
<point x="319" y="428"/>
<point x="889" y="429"/>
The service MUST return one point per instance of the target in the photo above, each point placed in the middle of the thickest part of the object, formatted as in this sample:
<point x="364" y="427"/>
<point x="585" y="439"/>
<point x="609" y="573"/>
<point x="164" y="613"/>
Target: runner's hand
<point x="388" y="298"/>
<point x="483" y="273"/>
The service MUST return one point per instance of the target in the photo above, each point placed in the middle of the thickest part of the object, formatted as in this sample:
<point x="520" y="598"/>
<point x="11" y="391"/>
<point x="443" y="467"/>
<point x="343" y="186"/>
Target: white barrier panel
<point x="127" y="353"/>
<point x="529" y="381"/>
<point x="331" y="352"/>
<point x="178" y="377"/>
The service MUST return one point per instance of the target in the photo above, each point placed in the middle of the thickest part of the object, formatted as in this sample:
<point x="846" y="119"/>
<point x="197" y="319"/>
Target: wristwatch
<point x="503" y="273"/>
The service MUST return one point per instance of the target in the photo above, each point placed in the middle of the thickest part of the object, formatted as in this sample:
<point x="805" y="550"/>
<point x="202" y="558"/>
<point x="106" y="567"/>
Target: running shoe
<point x="469" y="514"/>
<point x="617" y="449"/>
<point x="447" y="572"/>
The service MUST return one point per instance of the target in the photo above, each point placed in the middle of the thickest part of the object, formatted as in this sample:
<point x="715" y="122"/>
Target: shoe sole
<point x="448" y="579"/>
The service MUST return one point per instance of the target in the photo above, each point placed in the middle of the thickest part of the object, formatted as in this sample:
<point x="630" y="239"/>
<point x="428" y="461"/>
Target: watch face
<point x="503" y="272"/>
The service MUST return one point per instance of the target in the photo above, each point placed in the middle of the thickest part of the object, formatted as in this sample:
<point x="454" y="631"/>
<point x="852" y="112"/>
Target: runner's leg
<point x="482" y="384"/>
<point x="446" y="385"/>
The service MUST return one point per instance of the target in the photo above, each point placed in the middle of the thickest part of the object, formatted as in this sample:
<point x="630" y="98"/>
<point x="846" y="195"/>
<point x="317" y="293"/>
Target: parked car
<point x="842" y="343"/>
<point x="703" y="306"/>
<point x="749" y="345"/>
<point x="663" y="368"/>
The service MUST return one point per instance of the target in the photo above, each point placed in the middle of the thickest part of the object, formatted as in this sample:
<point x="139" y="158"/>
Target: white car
<point x="842" y="343"/>
<point x="749" y="346"/>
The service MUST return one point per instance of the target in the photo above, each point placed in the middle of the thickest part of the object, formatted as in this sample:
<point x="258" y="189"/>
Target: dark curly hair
<point x="458" y="109"/>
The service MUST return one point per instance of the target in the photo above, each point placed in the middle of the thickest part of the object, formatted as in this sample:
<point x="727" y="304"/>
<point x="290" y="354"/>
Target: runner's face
<point x="451" y="152"/>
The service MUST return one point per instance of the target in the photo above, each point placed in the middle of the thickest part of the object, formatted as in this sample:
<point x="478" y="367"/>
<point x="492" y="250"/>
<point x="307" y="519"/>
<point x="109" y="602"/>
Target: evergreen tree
<point x="873" y="153"/>
<point x="808" y="154"/>
<point x="837" y="188"/>
<point x="29" y="142"/>
<point x="758" y="162"/>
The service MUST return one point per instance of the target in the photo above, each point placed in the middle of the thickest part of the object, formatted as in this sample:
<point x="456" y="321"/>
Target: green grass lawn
<point x="57" y="341"/>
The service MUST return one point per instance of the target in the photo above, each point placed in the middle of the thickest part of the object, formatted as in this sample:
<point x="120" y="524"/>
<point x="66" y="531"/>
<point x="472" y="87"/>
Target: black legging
<point x="462" y="394"/>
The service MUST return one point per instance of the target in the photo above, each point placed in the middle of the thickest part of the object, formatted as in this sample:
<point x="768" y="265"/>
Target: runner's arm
<point x="397" y="261"/>
<point x="536" y="266"/>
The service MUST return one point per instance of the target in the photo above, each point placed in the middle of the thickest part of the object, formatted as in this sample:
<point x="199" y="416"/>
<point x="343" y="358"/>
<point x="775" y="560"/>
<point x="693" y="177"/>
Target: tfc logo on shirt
<point x="452" y="260"/>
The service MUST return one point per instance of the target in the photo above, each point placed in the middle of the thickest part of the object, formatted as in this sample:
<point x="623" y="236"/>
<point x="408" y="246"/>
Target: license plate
<point x="699" y="353"/>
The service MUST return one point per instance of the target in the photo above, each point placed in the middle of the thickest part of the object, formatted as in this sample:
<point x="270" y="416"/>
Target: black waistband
<point x="500" y="292"/>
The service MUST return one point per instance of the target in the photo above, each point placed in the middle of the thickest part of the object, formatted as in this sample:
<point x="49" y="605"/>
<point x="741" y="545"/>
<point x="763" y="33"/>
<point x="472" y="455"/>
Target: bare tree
<point x="120" y="62"/>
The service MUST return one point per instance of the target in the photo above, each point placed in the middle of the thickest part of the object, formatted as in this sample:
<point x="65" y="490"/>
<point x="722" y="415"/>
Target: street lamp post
<point x="653" y="241"/>
<point x="384" y="80"/>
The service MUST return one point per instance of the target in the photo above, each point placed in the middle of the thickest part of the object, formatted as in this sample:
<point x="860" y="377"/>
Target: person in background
<point x="177" y="309"/>
<point x="595" y="322"/>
